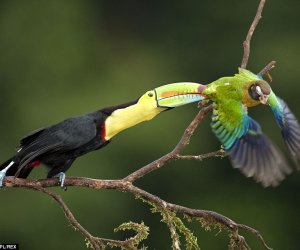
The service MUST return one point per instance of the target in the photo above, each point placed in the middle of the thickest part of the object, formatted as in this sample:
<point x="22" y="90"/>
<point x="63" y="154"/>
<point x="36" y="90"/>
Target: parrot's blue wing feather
<point x="256" y="156"/>
<point x="248" y="148"/>
<point x="288" y="124"/>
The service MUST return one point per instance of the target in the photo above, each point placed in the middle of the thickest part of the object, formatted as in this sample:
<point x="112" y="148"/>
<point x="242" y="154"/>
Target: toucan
<point x="58" y="146"/>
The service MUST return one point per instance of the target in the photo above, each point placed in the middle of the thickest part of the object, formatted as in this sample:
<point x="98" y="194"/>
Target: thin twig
<point x="68" y="214"/>
<point x="172" y="155"/>
<point x="266" y="69"/>
<point x="96" y="242"/>
<point x="255" y="232"/>
<point x="218" y="153"/>
<point x="246" y="43"/>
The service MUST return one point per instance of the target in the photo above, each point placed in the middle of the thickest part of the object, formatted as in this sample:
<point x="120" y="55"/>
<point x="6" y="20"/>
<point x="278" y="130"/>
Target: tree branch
<point x="124" y="186"/>
<point x="96" y="242"/>
<point x="67" y="212"/>
<point x="219" y="153"/>
<point x="246" y="43"/>
<point x="174" y="153"/>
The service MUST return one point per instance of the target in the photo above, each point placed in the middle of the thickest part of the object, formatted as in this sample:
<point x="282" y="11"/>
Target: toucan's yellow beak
<point x="151" y="104"/>
<point x="177" y="94"/>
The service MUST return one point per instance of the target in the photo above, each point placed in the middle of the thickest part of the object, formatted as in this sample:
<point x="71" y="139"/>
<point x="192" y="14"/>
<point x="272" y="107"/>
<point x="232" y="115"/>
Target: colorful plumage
<point x="249" y="149"/>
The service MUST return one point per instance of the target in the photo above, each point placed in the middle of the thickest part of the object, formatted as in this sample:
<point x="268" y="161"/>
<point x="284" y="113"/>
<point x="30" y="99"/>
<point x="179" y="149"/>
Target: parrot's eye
<point x="258" y="91"/>
<point x="254" y="92"/>
<point x="150" y="94"/>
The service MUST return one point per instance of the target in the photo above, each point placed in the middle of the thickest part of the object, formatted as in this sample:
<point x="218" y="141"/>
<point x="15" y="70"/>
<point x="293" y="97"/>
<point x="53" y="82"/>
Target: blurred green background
<point x="64" y="58"/>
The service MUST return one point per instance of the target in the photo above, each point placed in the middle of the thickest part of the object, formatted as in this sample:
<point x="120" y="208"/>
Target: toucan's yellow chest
<point x="122" y="119"/>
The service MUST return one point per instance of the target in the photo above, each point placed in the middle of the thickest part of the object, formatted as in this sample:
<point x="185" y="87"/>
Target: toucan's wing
<point x="288" y="124"/>
<point x="30" y="136"/>
<point x="68" y="134"/>
<point x="248" y="148"/>
<point x="76" y="133"/>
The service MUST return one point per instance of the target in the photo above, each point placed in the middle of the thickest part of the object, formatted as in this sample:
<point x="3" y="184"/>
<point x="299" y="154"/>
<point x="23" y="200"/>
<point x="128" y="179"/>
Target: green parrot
<point x="248" y="148"/>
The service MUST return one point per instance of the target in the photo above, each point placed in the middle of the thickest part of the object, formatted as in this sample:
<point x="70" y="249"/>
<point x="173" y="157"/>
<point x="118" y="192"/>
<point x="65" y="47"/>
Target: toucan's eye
<point x="150" y="94"/>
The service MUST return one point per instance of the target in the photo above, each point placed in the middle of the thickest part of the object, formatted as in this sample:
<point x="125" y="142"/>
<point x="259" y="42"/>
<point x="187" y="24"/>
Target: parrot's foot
<point x="61" y="177"/>
<point x="203" y="103"/>
<point x="3" y="173"/>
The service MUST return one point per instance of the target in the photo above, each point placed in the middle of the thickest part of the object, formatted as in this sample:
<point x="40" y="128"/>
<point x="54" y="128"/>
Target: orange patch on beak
<point x="169" y="94"/>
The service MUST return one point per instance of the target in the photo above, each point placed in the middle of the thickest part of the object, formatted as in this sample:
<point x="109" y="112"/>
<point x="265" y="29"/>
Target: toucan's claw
<point x="2" y="175"/>
<point x="61" y="177"/>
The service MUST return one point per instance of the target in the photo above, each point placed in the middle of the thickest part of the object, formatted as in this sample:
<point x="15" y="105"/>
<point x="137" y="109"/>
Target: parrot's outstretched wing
<point x="289" y="126"/>
<point x="248" y="148"/>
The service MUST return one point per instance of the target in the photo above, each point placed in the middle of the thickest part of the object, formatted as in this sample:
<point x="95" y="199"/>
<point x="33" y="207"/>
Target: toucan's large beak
<point x="177" y="94"/>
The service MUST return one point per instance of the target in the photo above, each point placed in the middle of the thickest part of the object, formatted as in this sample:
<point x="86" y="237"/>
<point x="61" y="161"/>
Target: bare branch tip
<point x="267" y="68"/>
<point x="246" y="43"/>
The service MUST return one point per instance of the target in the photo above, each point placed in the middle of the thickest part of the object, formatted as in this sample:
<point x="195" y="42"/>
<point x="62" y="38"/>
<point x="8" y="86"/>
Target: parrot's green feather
<point x="228" y="124"/>
<point x="245" y="75"/>
<point x="243" y="140"/>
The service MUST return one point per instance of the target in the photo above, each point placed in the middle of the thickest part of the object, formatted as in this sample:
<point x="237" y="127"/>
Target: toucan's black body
<point x="57" y="146"/>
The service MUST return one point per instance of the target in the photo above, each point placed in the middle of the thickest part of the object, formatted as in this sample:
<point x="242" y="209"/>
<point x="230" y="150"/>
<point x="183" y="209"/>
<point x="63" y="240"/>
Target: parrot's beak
<point x="177" y="94"/>
<point x="264" y="99"/>
<point x="263" y="94"/>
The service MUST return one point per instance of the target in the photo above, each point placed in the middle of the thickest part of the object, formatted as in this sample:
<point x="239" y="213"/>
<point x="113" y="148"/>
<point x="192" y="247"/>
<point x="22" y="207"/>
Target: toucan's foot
<point x="61" y="176"/>
<point x="2" y="175"/>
